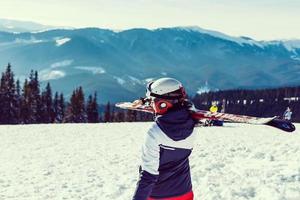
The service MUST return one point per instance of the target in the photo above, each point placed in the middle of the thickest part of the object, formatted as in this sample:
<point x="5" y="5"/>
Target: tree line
<point x="28" y="104"/>
<point x="260" y="103"/>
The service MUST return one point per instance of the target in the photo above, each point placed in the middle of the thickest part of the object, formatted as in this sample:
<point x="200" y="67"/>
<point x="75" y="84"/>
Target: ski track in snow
<point x="100" y="161"/>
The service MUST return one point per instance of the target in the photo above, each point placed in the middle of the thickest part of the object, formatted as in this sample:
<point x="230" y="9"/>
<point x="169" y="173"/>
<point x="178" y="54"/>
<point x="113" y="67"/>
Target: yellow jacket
<point x="213" y="109"/>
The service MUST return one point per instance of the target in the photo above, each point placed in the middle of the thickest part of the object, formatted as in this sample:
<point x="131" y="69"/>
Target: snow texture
<point x="63" y="63"/>
<point x="94" y="70"/>
<point x="32" y="40"/>
<point x="216" y="34"/>
<point x="51" y="74"/>
<point x="292" y="45"/>
<point x="100" y="161"/>
<point x="120" y="80"/>
<point x="60" y="42"/>
<point x="135" y="80"/>
<point x="203" y="89"/>
<point x="147" y="80"/>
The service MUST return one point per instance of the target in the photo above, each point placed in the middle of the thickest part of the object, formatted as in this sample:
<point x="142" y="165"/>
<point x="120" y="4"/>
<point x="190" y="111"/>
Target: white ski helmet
<point x="165" y="93"/>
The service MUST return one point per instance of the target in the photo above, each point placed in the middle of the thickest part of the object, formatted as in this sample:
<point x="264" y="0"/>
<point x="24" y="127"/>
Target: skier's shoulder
<point x="156" y="135"/>
<point x="153" y="129"/>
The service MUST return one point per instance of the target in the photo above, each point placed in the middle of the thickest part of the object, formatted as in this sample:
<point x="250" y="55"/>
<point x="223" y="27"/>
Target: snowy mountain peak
<point x="216" y="34"/>
<point x="291" y="45"/>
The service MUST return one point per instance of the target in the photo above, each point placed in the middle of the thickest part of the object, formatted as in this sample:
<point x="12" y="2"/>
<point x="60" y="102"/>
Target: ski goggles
<point x="148" y="89"/>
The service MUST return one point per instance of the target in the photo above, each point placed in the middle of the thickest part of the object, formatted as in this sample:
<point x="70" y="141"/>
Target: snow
<point x="148" y="80"/>
<point x="239" y="40"/>
<point x="295" y="58"/>
<point x="203" y="89"/>
<point x="94" y="70"/>
<point x="20" y="41"/>
<point x="32" y="40"/>
<point x="291" y="45"/>
<point x="129" y="79"/>
<point x="51" y="74"/>
<point x="62" y="41"/>
<point x="100" y="161"/>
<point x="135" y="80"/>
<point x="120" y="80"/>
<point x="63" y="63"/>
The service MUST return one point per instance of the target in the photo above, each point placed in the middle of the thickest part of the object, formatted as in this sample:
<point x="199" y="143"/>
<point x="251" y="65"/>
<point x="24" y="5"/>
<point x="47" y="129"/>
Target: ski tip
<point x="282" y="125"/>
<point x="123" y="104"/>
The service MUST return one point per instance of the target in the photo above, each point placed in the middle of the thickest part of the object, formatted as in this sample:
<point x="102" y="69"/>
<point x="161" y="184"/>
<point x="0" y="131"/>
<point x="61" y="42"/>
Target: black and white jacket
<point x="165" y="170"/>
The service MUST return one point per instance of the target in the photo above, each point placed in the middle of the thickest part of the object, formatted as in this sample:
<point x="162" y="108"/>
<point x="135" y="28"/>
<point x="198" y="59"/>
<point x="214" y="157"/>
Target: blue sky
<point x="259" y="19"/>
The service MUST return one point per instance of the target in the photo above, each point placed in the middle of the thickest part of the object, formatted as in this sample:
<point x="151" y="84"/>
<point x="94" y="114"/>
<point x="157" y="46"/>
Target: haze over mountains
<point x="16" y="26"/>
<point x="118" y="64"/>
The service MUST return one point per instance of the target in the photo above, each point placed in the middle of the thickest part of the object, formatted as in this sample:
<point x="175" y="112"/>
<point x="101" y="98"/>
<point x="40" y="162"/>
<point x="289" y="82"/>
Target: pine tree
<point x="25" y="105"/>
<point x="131" y="116"/>
<point x="56" y="107"/>
<point x="1" y="99"/>
<point x="61" y="108"/>
<point x="113" y="114"/>
<point x="34" y="98"/>
<point x="76" y="109"/>
<point x="9" y="107"/>
<point x="31" y="103"/>
<point x="47" y="111"/>
<point x="19" y="101"/>
<point x="120" y="116"/>
<point x="107" y="114"/>
<point x="92" y="109"/>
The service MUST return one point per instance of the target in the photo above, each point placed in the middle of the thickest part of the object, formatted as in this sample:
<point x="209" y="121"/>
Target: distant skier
<point x="213" y="108"/>
<point x="223" y="106"/>
<point x="165" y="171"/>
<point x="287" y="115"/>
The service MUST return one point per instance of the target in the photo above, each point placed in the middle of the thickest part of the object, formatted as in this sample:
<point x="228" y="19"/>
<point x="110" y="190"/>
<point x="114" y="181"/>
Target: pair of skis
<point x="202" y="114"/>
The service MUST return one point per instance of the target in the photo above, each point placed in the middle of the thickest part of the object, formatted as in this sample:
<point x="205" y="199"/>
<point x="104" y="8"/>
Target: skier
<point x="213" y="108"/>
<point x="223" y="106"/>
<point x="165" y="171"/>
<point x="287" y="115"/>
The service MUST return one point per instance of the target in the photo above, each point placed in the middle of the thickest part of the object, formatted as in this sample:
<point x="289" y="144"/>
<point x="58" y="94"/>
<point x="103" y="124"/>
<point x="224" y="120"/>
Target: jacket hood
<point x="176" y="124"/>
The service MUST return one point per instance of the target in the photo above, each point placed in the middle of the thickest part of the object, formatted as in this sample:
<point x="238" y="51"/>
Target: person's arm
<point x="149" y="168"/>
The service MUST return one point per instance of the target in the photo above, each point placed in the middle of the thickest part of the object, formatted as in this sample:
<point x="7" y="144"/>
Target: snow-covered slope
<point x="216" y="34"/>
<point x="100" y="161"/>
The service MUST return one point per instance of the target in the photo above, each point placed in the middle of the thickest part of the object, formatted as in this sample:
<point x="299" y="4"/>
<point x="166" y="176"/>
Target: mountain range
<point x="118" y="64"/>
<point x="17" y="26"/>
